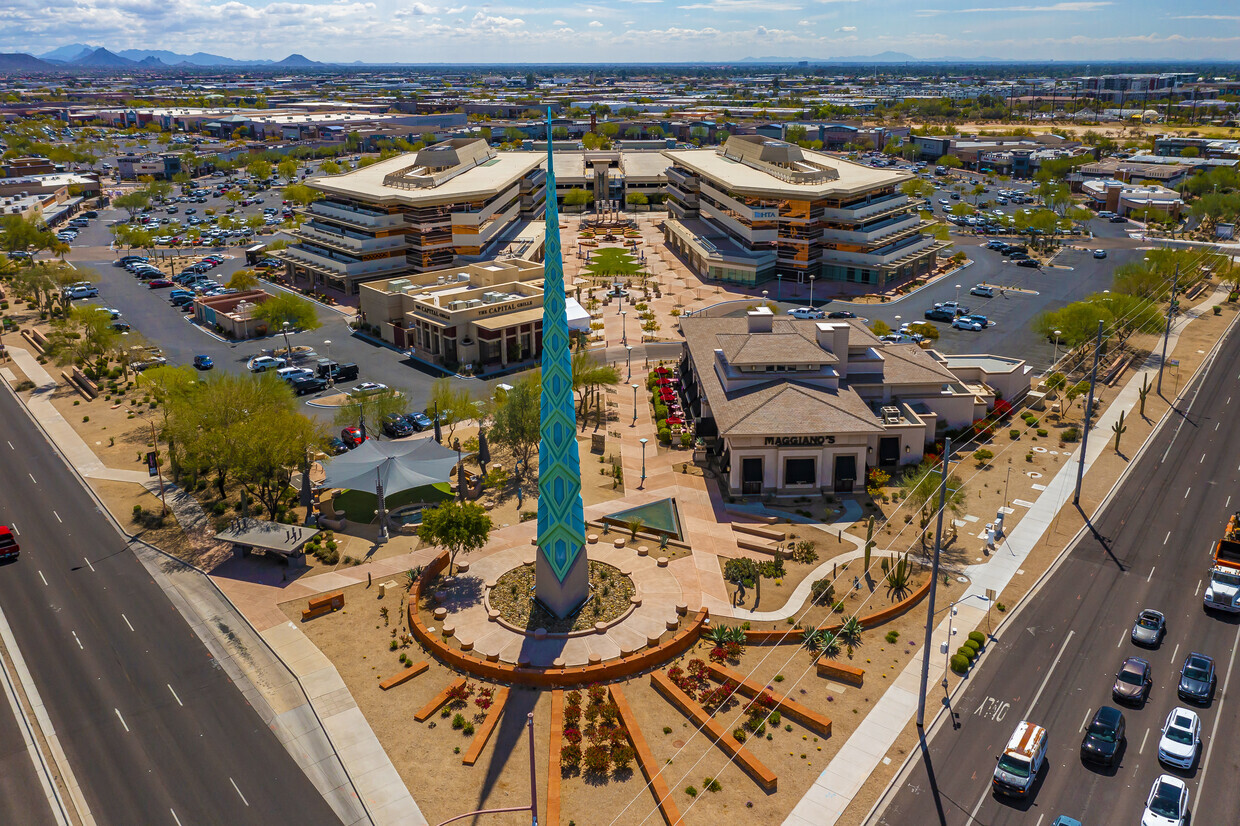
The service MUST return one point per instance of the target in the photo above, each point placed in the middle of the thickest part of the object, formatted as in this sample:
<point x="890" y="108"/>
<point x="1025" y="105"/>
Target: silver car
<point x="1149" y="628"/>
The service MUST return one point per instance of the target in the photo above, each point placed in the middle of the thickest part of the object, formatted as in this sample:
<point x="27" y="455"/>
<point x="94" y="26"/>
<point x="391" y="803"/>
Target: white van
<point x="1018" y="766"/>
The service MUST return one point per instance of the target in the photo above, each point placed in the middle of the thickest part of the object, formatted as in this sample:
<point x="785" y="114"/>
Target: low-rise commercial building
<point x="792" y="407"/>
<point x="451" y="203"/>
<point x="759" y="208"/>
<point x="479" y="318"/>
<point x="1131" y="199"/>
<point x="232" y="315"/>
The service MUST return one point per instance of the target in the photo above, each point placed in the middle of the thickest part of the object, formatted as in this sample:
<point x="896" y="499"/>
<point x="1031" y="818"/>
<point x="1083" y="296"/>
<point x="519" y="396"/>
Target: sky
<point x="459" y="31"/>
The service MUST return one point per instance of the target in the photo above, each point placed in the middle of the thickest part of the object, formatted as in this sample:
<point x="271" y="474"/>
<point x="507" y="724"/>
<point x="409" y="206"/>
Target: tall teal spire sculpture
<point x="561" y="580"/>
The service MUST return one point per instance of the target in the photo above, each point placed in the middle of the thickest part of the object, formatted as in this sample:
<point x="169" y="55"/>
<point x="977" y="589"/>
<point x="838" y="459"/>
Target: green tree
<point x="269" y="450"/>
<point x="457" y="527"/>
<point x="287" y="169"/>
<point x="452" y="404"/>
<point x="259" y="168"/>
<point x="286" y="307"/>
<point x="880" y="328"/>
<point x="919" y="488"/>
<point x="132" y="202"/>
<point x="301" y="195"/>
<point x="917" y="188"/>
<point x="243" y="279"/>
<point x="330" y="167"/>
<point x="515" y="422"/>
<point x="949" y="161"/>
<point x="577" y="197"/>
<point x="370" y="408"/>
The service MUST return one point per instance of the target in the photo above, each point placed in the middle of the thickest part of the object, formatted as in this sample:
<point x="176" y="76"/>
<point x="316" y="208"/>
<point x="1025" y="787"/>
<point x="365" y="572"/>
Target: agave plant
<point x="719" y="634"/>
<point x="850" y="634"/>
<point x="736" y="634"/>
<point x="830" y="645"/>
<point x="812" y="639"/>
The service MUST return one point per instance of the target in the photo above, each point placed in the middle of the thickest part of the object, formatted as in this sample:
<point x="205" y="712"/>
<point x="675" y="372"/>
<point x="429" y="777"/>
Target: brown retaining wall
<point x="650" y="767"/>
<point x="791" y="708"/>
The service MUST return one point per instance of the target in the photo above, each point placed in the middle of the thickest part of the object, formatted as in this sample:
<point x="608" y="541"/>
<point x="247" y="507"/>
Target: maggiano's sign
<point x="799" y="441"/>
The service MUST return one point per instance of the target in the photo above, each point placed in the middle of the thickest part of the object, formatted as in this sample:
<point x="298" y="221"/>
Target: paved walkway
<point x="869" y="744"/>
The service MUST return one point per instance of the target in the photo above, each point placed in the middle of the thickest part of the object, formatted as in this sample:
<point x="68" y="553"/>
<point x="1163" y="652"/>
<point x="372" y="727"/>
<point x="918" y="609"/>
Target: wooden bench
<point x="408" y="674"/>
<point x="323" y="604"/>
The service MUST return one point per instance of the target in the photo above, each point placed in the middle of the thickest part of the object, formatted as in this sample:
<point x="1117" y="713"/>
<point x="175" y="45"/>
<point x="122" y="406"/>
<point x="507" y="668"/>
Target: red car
<point x="352" y="437"/>
<point x="9" y="549"/>
<point x="156" y="283"/>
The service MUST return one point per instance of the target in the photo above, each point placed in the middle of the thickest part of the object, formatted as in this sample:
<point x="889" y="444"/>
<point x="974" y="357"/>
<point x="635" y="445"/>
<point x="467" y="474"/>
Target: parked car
<point x="156" y="283"/>
<point x="395" y="426"/>
<point x="419" y="421"/>
<point x="203" y="362"/>
<point x="1029" y="262"/>
<point x="1149" y="628"/>
<point x="261" y="364"/>
<point x="970" y="322"/>
<point x="1118" y="219"/>
<point x="841" y="314"/>
<point x="367" y="388"/>
<point x="336" y="447"/>
<point x="81" y="291"/>
<point x="940" y="314"/>
<point x="1181" y="739"/>
<point x="308" y="384"/>
<point x="1197" y="679"/>
<point x="806" y="312"/>
<point x="1167" y="804"/>
<point x="984" y="290"/>
<point x="1100" y="253"/>
<point x="1132" y="683"/>
<point x="1104" y="736"/>
<point x="9" y="549"/>
<point x="352" y="437"/>
<point x="121" y="327"/>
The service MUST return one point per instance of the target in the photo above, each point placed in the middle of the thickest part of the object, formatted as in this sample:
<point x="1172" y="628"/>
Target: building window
<point x="799" y="471"/>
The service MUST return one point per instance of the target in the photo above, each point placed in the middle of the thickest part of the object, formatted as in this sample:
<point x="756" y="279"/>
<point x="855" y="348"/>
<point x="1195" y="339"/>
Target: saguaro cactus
<point x="1119" y="428"/>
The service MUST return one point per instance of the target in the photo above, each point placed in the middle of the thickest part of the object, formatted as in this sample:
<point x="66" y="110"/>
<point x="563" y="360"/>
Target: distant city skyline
<point x="617" y="31"/>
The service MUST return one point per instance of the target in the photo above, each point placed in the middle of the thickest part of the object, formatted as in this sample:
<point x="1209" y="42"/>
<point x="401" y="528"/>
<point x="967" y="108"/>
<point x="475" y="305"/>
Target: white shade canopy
<point x="398" y="465"/>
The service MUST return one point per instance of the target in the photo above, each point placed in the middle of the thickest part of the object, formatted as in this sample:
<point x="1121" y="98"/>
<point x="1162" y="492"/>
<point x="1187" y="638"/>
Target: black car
<point x="1029" y="262"/>
<point x="841" y="314"/>
<point x="309" y="384"/>
<point x="419" y="421"/>
<point x="120" y="327"/>
<point x="1197" y="679"/>
<point x="1118" y="219"/>
<point x="940" y="314"/>
<point x="1103" y="737"/>
<point x="336" y="447"/>
<point x="395" y="426"/>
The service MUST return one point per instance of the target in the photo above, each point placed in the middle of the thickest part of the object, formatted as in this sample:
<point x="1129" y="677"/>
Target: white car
<point x="367" y="388"/>
<point x="261" y="364"/>
<point x="897" y="338"/>
<point x="111" y="311"/>
<point x="1181" y="739"/>
<point x="983" y="290"/>
<point x="969" y="322"/>
<point x="82" y="291"/>
<point x="1167" y="804"/>
<point x="806" y="312"/>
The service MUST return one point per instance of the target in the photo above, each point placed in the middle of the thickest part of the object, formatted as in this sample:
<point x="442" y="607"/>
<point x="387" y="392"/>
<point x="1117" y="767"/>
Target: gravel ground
<point x="610" y="592"/>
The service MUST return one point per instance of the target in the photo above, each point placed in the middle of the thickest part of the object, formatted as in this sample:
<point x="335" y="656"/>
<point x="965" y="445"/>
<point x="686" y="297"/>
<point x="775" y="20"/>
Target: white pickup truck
<point x="1223" y="588"/>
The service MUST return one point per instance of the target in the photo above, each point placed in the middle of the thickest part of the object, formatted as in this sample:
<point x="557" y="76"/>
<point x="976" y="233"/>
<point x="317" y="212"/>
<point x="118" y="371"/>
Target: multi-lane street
<point x="1055" y="661"/>
<point x="152" y="728"/>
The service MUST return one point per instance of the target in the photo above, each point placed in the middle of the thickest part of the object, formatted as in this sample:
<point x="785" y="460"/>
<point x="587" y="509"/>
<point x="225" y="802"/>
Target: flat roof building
<point x="760" y="207"/>
<point x="479" y="318"/>
<point x="791" y="406"/>
<point x="450" y="203"/>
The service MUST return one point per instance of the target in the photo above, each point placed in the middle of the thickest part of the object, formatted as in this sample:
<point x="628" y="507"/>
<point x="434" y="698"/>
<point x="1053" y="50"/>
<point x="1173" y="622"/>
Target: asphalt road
<point x="19" y="783"/>
<point x="152" y="727"/>
<point x="1055" y="662"/>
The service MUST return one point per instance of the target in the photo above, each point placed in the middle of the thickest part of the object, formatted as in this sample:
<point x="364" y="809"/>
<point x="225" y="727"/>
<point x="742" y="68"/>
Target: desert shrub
<point x="978" y="637"/>
<point x="960" y="664"/>
<point x="1070" y="435"/>
<point x="570" y="755"/>
<point x="1013" y="434"/>
<point x="622" y="756"/>
<point x="892" y="636"/>
<point x="458" y="721"/>
<point x="1042" y="432"/>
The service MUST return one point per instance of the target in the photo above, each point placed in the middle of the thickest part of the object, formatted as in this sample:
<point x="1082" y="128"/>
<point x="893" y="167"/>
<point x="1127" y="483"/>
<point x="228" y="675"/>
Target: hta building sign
<point x="765" y="214"/>
<point x="799" y="441"/>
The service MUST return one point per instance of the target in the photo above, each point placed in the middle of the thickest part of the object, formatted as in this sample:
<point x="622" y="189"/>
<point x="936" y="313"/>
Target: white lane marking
<point x="10" y="444"/>
<point x="32" y="479"/>
<point x="1049" y="671"/>
<point x="127" y="622"/>
<point x="239" y="794"/>
<point x="88" y="565"/>
<point x="122" y="719"/>
<point x="174" y="817"/>
<point x="58" y="519"/>
<point x="1039" y="823"/>
<point x="1151" y="576"/>
<point x="1198" y="589"/>
<point x="1123" y="636"/>
<point x="1175" y="651"/>
<point x="42" y="577"/>
<point x="75" y="639"/>
<point x="1187" y="492"/>
<point x="1084" y="720"/>
<point x="1202" y="459"/>
<point x="182" y="705"/>
<point x="1165" y="538"/>
<point x="1143" y="738"/>
<point x="1216" y="424"/>
<point x="1205" y="764"/>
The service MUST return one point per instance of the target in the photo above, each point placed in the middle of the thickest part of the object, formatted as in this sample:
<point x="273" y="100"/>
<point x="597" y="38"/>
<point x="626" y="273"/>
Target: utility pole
<point x="1089" y="413"/>
<point x="1175" y="285"/>
<point x="934" y="581"/>
<point x="158" y="471"/>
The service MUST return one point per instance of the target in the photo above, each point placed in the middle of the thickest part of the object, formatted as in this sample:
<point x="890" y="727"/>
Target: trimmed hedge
<point x="960" y="664"/>
<point x="978" y="637"/>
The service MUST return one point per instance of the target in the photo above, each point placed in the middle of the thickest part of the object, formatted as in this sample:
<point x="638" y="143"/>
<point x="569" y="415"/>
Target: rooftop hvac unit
<point x="458" y="305"/>
<point x="398" y="284"/>
<point x="439" y="280"/>
<point x="890" y="414"/>
<point x="473" y="302"/>
<point x="492" y="297"/>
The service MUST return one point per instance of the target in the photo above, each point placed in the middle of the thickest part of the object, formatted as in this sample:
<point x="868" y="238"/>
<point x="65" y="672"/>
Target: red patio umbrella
<point x="675" y="420"/>
<point x="663" y="371"/>
<point x="664" y="382"/>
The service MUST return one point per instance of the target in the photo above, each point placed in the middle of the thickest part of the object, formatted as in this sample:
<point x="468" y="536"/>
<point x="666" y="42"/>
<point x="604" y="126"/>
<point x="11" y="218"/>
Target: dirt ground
<point x="357" y="640"/>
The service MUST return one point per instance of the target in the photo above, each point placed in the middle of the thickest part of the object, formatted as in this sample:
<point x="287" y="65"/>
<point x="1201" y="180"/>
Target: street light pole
<point x="951" y="613"/>
<point x="1089" y="412"/>
<point x="934" y="580"/>
<point x="628" y="357"/>
<point x="634" y="406"/>
<point x="1056" y="361"/>
<point x="624" y="331"/>
<point x="288" y="349"/>
<point x="811" y="291"/>
<point x="1167" y="331"/>
<point x="643" y="481"/>
<point x="957" y="295"/>
<point x="779" y="283"/>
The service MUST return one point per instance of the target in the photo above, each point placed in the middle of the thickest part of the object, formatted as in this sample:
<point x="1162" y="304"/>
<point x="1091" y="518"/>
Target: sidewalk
<point x="861" y="754"/>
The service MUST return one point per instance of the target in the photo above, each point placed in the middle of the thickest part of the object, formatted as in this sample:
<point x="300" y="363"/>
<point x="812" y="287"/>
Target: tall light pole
<point x="957" y="295"/>
<point x="1167" y="332"/>
<point x="779" y="283"/>
<point x="764" y="295"/>
<point x="634" y="406"/>
<point x="288" y="349"/>
<point x="811" y="291"/>
<point x="643" y="481"/>
<point x="1056" y="361"/>
<point x="934" y="579"/>
<point x="628" y="358"/>
<point x="1089" y="414"/>
<point x="624" y="331"/>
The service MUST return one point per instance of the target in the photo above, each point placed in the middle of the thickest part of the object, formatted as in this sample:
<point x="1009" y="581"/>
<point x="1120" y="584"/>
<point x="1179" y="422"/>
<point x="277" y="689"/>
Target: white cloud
<point x="594" y="24"/>
<point x="846" y="29"/>
<point x="558" y="23"/>
<point x="1089" y="5"/>
<point x="741" y="5"/>
<point x="1206" y="17"/>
